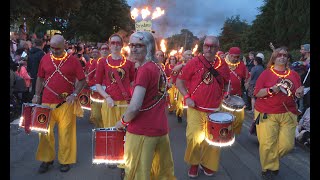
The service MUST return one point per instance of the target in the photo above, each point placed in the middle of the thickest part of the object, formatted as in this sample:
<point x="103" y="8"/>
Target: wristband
<point x="124" y="123"/>
<point x="269" y="91"/>
<point x="186" y="96"/>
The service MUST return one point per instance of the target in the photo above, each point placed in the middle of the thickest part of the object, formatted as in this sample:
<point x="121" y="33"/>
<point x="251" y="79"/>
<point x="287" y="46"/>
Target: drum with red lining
<point x="108" y="146"/>
<point x="95" y="95"/>
<point x="35" y="118"/>
<point x="219" y="131"/>
<point x="84" y="98"/>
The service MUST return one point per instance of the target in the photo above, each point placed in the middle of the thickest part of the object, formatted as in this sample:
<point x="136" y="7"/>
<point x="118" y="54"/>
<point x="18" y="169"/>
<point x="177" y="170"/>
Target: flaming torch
<point x="145" y="13"/>
<point x="134" y="13"/>
<point x="163" y="46"/>
<point x="195" y="49"/>
<point x="157" y="13"/>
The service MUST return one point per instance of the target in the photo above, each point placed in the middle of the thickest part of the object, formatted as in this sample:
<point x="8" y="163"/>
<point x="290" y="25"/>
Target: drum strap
<point x="233" y="72"/>
<point x="119" y="82"/>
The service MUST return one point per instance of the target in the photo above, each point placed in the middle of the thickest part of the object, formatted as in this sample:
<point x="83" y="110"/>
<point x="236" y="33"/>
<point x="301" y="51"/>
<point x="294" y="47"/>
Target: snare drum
<point x="35" y="118"/>
<point x="235" y="105"/>
<point x="108" y="146"/>
<point x="84" y="98"/>
<point x="219" y="130"/>
<point x="95" y="95"/>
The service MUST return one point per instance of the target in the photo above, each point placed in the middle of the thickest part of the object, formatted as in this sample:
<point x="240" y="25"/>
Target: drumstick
<point x="229" y="86"/>
<point x="305" y="78"/>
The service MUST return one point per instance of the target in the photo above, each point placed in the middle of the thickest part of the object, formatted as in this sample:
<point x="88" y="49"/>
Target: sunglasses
<point x="212" y="46"/>
<point x="282" y="54"/>
<point x="54" y="48"/>
<point x="118" y="43"/>
<point x="105" y="49"/>
<point x="136" y="45"/>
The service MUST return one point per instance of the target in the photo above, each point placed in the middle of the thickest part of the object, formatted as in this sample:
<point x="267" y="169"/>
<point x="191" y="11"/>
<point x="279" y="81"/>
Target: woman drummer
<point x="276" y="111"/>
<point x="147" y="147"/>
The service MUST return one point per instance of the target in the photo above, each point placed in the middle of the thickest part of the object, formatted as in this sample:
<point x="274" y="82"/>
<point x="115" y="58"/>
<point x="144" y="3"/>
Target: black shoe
<point x="179" y="119"/>
<point x="44" y="167"/>
<point x="64" y="167"/>
<point x="268" y="175"/>
<point x="276" y="172"/>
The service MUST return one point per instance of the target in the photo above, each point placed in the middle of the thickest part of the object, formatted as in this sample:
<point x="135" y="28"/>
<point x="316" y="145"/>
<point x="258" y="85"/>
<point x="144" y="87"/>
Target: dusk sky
<point x="201" y="17"/>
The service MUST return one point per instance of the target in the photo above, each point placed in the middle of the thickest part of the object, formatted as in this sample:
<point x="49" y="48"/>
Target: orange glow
<point x="163" y="46"/>
<point x="157" y="13"/>
<point x="145" y="13"/>
<point x="134" y="13"/>
<point x="195" y="49"/>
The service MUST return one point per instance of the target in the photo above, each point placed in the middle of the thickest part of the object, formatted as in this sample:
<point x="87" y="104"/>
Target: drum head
<point x="94" y="88"/>
<point x="221" y="117"/>
<point x="43" y="106"/>
<point x="234" y="101"/>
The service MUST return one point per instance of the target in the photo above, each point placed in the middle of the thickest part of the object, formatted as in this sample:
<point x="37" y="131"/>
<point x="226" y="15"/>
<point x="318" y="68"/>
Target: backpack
<point x="19" y="84"/>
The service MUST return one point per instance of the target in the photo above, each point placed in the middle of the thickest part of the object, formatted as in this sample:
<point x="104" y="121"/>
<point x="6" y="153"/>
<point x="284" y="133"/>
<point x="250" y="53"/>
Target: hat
<point x="234" y="50"/>
<point x="306" y="47"/>
<point x="261" y="56"/>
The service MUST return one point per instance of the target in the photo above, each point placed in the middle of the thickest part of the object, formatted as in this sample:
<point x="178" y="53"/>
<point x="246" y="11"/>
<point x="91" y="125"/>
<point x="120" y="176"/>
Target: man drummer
<point x="238" y="75"/>
<point x="186" y="56"/>
<point x="210" y="74"/>
<point x="95" y="116"/>
<point x="56" y="80"/>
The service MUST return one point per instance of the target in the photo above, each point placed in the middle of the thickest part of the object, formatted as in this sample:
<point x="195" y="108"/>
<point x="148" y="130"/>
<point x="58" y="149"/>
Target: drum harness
<point x="212" y="71"/>
<point x="45" y="84"/>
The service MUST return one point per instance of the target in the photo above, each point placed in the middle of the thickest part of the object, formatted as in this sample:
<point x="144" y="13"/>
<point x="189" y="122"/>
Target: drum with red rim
<point x="84" y="98"/>
<point x="35" y="118"/>
<point x="219" y="130"/>
<point x="95" y="95"/>
<point x="108" y="146"/>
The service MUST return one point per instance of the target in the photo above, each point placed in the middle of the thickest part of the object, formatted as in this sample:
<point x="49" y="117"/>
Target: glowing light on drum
<point x="195" y="49"/>
<point x="157" y="13"/>
<point x="145" y="13"/>
<point x="231" y="109"/>
<point x="221" y="144"/>
<point x="163" y="46"/>
<point x="134" y="13"/>
<point x="185" y="107"/>
<point x="104" y="161"/>
<point x="96" y="100"/>
<point x="40" y="130"/>
<point x="86" y="108"/>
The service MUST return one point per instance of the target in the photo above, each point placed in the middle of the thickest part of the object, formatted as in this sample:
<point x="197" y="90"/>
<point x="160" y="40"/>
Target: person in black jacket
<point x="35" y="55"/>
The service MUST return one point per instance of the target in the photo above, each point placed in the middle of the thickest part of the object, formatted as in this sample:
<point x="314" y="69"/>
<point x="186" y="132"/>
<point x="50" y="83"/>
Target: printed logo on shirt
<point x="207" y="78"/>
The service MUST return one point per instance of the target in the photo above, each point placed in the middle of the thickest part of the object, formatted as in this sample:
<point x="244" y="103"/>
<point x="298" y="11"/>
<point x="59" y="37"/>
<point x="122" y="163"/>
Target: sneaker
<point x="179" y="119"/>
<point x="193" y="171"/>
<point x="268" y="175"/>
<point x="206" y="171"/>
<point x="44" y="167"/>
<point x="64" y="167"/>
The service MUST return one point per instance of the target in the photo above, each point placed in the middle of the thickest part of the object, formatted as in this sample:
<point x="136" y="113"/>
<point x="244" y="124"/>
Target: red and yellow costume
<point x="60" y="76"/>
<point x="207" y="93"/>
<point x="277" y="116"/>
<point x="105" y="75"/>
<point x="172" y="92"/>
<point x="238" y="72"/>
<point x="147" y="147"/>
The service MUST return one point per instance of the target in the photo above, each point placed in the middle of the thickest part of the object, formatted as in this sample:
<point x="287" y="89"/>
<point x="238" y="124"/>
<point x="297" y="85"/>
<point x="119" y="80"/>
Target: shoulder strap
<point x="119" y="82"/>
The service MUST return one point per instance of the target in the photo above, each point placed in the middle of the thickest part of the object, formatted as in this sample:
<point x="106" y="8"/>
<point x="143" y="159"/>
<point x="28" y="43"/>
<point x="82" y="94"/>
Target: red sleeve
<point x="100" y="71"/>
<point x="260" y="82"/>
<point x="79" y="70"/>
<point x="41" y="73"/>
<point x="224" y="71"/>
<point x="187" y="71"/>
<point x="144" y="76"/>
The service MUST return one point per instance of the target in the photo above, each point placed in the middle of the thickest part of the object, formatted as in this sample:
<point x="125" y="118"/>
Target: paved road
<point x="238" y="162"/>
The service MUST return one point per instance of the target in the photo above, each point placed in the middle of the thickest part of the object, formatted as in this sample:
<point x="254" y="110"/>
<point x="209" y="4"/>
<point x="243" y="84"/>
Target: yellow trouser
<point x="276" y="138"/>
<point x="238" y="121"/>
<point x="95" y="115"/>
<point x="198" y="151"/>
<point x="110" y="116"/>
<point x="172" y="101"/>
<point x="179" y="105"/>
<point x="148" y="158"/>
<point x="65" y="117"/>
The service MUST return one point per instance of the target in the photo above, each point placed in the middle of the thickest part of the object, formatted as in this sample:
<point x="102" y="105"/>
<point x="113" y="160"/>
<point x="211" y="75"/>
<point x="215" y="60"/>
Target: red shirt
<point x="91" y="71"/>
<point x="105" y="75"/>
<point x="274" y="104"/>
<point x="88" y="64"/>
<point x="209" y="92"/>
<point x="152" y="122"/>
<point x="236" y="76"/>
<point x="71" y="69"/>
<point x="168" y="70"/>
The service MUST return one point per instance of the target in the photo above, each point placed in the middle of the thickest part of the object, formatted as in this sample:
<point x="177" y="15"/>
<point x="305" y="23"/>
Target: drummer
<point x="238" y="76"/>
<point x="95" y="116"/>
<point x="199" y="79"/>
<point x="116" y="72"/>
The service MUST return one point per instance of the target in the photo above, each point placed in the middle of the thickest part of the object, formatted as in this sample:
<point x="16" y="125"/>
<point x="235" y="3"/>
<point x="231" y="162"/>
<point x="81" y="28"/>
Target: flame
<point x="134" y="13"/>
<point x="163" y="46"/>
<point x="181" y="49"/>
<point x="145" y="13"/>
<point x="195" y="49"/>
<point x="125" y="48"/>
<point x="157" y="13"/>
<point x="173" y="52"/>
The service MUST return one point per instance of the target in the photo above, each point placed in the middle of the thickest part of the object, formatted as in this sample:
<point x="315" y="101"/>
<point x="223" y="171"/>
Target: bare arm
<point x="39" y="87"/>
<point x="135" y="103"/>
<point x="183" y="90"/>
<point x="264" y="91"/>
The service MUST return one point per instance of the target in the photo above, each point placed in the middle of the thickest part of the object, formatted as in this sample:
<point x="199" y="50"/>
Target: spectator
<point x="303" y="129"/>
